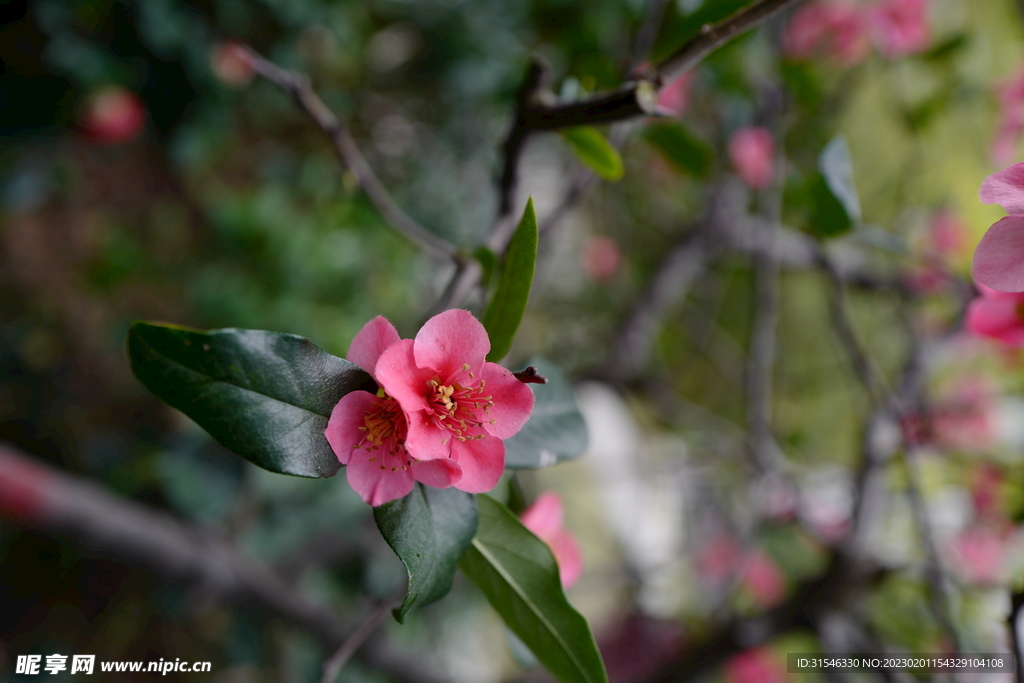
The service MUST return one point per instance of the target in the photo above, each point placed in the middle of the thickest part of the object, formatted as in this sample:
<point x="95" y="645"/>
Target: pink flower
<point x="368" y="432"/>
<point x="998" y="315"/>
<point x="964" y="420"/>
<point x="978" y="554"/>
<point x="752" y="153"/>
<point x="900" y="27"/>
<point x="601" y="258"/>
<point x="761" y="576"/>
<point x="231" y="64"/>
<point x="112" y="115"/>
<point x="457" y="406"/>
<point x="834" y="30"/>
<point x="758" y="665"/>
<point x="674" y="96"/>
<point x="545" y="519"/>
<point x="999" y="258"/>
<point x="1010" y="94"/>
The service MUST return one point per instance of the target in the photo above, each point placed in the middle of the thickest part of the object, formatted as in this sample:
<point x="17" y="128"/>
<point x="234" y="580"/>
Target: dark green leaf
<point x="264" y="395"/>
<point x="828" y="216"/>
<point x="684" y="150"/>
<point x="556" y="430"/>
<point x="505" y="312"/>
<point x="519" y="576"/>
<point x="429" y="530"/>
<point x="594" y="150"/>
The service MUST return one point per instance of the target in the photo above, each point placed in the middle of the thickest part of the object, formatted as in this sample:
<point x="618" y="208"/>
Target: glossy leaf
<point x="505" y="312"/>
<point x="556" y="430"/>
<point x="683" y="150"/>
<point x="264" y="395"/>
<point x="429" y="530"/>
<point x="594" y="150"/>
<point x="519" y="576"/>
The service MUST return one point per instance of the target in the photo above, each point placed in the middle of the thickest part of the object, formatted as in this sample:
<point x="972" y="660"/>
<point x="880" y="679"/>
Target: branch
<point x="639" y="98"/>
<point x="1016" y="605"/>
<point x="332" y="667"/>
<point x="46" y="499"/>
<point x="297" y="85"/>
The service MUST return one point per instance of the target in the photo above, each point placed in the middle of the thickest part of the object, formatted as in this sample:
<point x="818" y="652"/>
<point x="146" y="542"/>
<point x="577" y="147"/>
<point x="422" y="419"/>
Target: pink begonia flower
<point x="545" y="519"/>
<point x="758" y="665"/>
<point x="457" y="405"/>
<point x="999" y="258"/>
<point x="112" y="115"/>
<point x="674" y="96"/>
<point x="998" y="315"/>
<point x="900" y="27"/>
<point x="368" y="433"/>
<point x="833" y="30"/>
<point x="752" y="153"/>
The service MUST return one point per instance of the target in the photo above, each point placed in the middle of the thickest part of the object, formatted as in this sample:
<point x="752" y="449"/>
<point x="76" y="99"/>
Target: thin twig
<point x="639" y="98"/>
<point x="297" y="85"/>
<point x="332" y="667"/>
<point x="1016" y="607"/>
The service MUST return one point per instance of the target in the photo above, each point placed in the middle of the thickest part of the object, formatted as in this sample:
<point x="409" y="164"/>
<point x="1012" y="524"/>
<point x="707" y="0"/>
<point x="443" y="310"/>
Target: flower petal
<point x="367" y="346"/>
<point x="348" y="416"/>
<point x="450" y="340"/>
<point x="999" y="258"/>
<point x="376" y="483"/>
<point x="1005" y="188"/>
<point x="567" y="554"/>
<point x="544" y="517"/>
<point x="998" y="318"/>
<point x="482" y="461"/>
<point x="513" y="401"/>
<point x="440" y="473"/>
<point x="397" y="372"/>
<point x="425" y="440"/>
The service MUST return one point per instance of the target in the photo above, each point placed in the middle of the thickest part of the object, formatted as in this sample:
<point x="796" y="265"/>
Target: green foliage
<point x="684" y="150"/>
<point x="519" y="576"/>
<point x="594" y="150"/>
<point x="556" y="430"/>
<point x="264" y="395"/>
<point x="504" y="313"/>
<point x="429" y="530"/>
<point x="836" y="207"/>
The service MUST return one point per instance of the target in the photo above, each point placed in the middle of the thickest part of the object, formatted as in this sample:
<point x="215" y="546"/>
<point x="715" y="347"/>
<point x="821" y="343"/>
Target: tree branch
<point x="297" y="85"/>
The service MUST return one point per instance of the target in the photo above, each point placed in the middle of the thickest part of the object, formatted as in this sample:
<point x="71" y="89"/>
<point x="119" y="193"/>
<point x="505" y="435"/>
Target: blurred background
<point x="797" y="444"/>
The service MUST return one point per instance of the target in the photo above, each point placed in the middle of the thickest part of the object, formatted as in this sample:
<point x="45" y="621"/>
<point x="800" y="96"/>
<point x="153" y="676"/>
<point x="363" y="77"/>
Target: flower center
<point x="384" y="425"/>
<point x="460" y="409"/>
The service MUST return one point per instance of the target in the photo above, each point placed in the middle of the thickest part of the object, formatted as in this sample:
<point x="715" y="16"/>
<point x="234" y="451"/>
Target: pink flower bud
<point x="112" y="115"/>
<point x="752" y="153"/>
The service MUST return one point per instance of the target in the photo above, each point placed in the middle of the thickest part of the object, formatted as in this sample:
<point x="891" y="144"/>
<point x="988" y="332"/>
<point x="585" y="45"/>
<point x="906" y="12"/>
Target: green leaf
<point x="556" y="430"/>
<point x="429" y="530"/>
<point x="594" y="150"/>
<point x="505" y="312"/>
<point x="684" y="150"/>
<point x="519" y="576"/>
<point x="836" y="167"/>
<point x="828" y="216"/>
<point x="264" y="395"/>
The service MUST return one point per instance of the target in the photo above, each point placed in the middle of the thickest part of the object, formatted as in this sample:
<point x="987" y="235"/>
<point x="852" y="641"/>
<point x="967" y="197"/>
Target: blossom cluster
<point x="440" y="413"/>
<point x="845" y="31"/>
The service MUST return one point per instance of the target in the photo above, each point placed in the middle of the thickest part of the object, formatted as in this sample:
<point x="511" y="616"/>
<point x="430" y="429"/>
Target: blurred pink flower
<point x="368" y="432"/>
<point x="978" y="553"/>
<point x="1010" y="94"/>
<point x="900" y="27"/>
<point x="545" y="518"/>
<point x="832" y="29"/>
<point x="947" y="234"/>
<point x="112" y="115"/>
<point x="758" y="665"/>
<point x="763" y="579"/>
<point x="986" y="485"/>
<point x="456" y="404"/>
<point x="719" y="559"/>
<point x="230" y="63"/>
<point x="674" y="96"/>
<point x="600" y="258"/>
<point x="999" y="258"/>
<point x="998" y="315"/>
<point x="752" y="153"/>
<point x="965" y="420"/>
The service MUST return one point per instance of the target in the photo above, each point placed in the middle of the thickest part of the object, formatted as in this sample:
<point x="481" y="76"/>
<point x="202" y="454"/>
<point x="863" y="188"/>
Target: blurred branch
<point x="297" y="85"/>
<point x="640" y="98"/>
<point x="332" y="667"/>
<point x="1016" y="606"/>
<point x="46" y="499"/>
